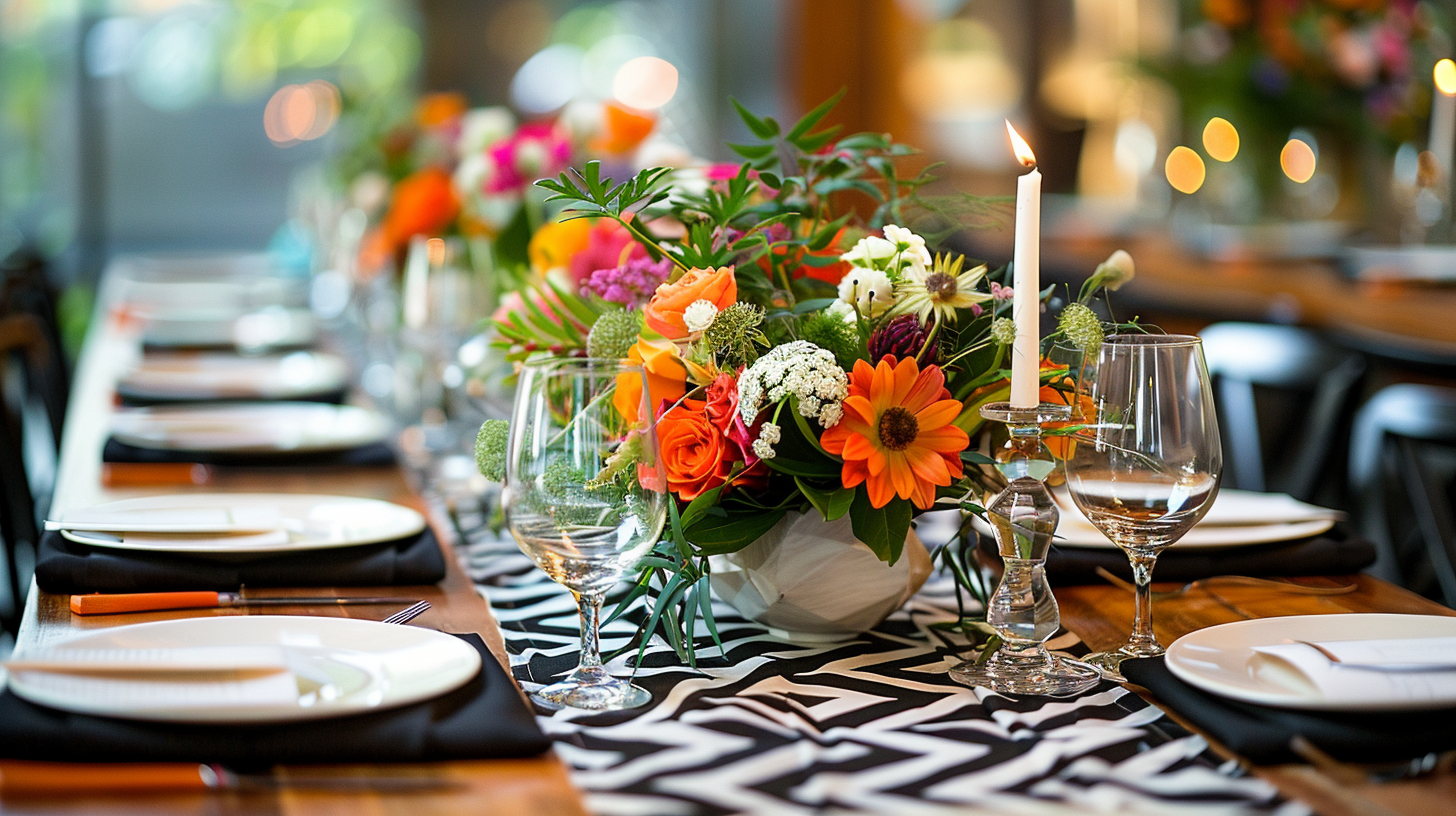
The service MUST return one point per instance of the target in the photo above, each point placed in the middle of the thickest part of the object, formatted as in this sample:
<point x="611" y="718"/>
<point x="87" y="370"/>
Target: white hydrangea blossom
<point x="768" y="436"/>
<point x="699" y="315"/>
<point x="868" y="290"/>
<point x="799" y="369"/>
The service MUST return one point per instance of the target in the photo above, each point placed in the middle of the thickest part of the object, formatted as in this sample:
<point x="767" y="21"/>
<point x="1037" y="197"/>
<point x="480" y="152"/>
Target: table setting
<point x="733" y="563"/>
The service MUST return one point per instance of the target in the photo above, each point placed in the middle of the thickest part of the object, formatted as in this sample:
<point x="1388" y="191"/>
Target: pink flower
<point x="532" y="152"/>
<point x="608" y="246"/>
<point x="1000" y="292"/>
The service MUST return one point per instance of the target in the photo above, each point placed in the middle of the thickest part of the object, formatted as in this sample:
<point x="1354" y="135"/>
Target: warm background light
<point x="1185" y="170"/>
<point x="645" y="83"/>
<point x="1445" y="74"/>
<point x="1221" y="139"/>
<point x="1298" y="160"/>
<point x="1022" y="149"/>
<point x="300" y="113"/>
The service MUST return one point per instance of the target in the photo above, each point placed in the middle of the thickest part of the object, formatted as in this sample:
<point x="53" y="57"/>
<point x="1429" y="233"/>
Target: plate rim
<point x="1289" y="699"/>
<point x="328" y="710"/>
<point x="417" y="519"/>
<point x="334" y="375"/>
<point x="378" y="433"/>
<point x="1306" y="528"/>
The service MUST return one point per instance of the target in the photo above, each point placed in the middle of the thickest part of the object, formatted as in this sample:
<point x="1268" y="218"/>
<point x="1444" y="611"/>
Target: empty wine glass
<point x="584" y="498"/>
<point x="1147" y="464"/>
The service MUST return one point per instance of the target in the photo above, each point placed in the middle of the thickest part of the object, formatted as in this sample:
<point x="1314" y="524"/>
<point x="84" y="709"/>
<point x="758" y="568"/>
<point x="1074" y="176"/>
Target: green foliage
<point x="594" y="196"/>
<point x="881" y="529"/>
<point x="735" y="336"/>
<point x="832" y="332"/>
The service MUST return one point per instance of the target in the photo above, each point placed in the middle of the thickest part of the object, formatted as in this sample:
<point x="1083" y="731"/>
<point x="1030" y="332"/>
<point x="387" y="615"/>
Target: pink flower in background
<point x="631" y="284"/>
<point x="532" y="152"/>
<point x="1000" y="292"/>
<point x="608" y="246"/>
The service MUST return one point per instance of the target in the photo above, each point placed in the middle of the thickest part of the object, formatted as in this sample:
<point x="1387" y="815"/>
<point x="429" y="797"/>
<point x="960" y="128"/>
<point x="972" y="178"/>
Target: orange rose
<point x="664" y="313"/>
<point x="667" y="378"/>
<point x="623" y="128"/>
<point x="694" y="453"/>
<point x="437" y="109"/>
<point x="423" y="203"/>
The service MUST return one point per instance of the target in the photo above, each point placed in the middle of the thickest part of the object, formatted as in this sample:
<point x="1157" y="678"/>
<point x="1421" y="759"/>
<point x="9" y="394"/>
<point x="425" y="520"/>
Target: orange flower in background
<point x="830" y="274"/>
<point x="896" y="434"/>
<point x="667" y="378"/>
<point x="664" y="313"/>
<point x="423" y="203"/>
<point x="1063" y="391"/>
<point x="556" y="243"/>
<point x="696" y="457"/>
<point x="623" y="128"/>
<point x="437" y="109"/>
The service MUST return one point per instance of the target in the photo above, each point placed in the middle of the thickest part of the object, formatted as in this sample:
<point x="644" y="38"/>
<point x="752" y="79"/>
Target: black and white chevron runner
<point x="874" y="725"/>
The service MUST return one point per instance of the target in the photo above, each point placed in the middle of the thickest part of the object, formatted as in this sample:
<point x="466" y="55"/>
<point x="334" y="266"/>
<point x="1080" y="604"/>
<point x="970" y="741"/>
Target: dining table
<point x="761" y="724"/>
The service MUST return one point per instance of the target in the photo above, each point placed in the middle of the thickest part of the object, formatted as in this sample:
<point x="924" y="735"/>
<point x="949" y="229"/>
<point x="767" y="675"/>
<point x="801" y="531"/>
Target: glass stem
<point x="1143" y="641"/>
<point x="591" y="649"/>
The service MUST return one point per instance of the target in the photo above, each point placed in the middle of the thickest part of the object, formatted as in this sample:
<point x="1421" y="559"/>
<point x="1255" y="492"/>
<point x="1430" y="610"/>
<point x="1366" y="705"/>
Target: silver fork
<point x="407" y="615"/>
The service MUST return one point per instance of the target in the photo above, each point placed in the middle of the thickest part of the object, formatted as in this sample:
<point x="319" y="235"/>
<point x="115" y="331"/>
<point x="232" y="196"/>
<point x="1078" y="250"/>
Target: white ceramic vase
<point x="811" y="580"/>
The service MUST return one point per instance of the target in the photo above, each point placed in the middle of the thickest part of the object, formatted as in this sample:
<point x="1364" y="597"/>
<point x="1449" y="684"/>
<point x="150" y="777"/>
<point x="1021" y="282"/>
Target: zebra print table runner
<point x="870" y="726"/>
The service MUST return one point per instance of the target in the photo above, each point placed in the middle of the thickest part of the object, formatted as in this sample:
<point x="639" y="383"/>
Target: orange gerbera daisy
<point x="896" y="434"/>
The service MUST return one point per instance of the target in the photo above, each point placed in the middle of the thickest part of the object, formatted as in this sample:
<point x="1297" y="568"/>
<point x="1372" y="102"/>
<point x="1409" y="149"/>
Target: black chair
<point x="1286" y="398"/>
<point x="25" y="288"/>
<point x="1403" y="479"/>
<point x="24" y="353"/>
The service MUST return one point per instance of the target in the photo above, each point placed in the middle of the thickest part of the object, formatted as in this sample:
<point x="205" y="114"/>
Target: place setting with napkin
<point x="1245" y="534"/>
<point x="222" y="542"/>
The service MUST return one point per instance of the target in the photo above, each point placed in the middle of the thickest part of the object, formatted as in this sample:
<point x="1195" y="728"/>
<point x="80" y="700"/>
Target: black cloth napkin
<point x="1261" y="734"/>
<point x="374" y="455"/>
<point x="65" y="567"/>
<point x="484" y="719"/>
<point x="1336" y="552"/>
<point x="334" y="397"/>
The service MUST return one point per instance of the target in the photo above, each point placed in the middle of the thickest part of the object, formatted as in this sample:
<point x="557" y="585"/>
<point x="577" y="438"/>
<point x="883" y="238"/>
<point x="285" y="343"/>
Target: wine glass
<point x="1146" y="466"/>
<point x="585" y="500"/>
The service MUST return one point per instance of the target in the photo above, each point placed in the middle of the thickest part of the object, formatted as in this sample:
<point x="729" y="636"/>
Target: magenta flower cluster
<point x="632" y="284"/>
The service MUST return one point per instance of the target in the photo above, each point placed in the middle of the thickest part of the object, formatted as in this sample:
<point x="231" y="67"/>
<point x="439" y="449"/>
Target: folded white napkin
<point x="1364" y="670"/>
<point x="187" y="659"/>
<point x="228" y="541"/>
<point x="157" y="693"/>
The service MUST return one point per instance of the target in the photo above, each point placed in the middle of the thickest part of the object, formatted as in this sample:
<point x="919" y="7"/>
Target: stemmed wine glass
<point x="585" y="500"/>
<point x="1146" y="466"/>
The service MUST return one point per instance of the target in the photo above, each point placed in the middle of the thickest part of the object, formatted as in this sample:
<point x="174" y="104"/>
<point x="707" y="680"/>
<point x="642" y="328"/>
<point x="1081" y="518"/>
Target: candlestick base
<point x="1023" y="610"/>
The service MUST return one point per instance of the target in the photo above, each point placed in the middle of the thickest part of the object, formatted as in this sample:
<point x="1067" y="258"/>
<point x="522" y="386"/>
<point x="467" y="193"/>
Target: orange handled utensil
<point x="19" y="778"/>
<point x="151" y="601"/>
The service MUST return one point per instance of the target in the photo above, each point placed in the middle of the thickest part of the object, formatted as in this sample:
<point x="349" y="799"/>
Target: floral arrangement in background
<point x="448" y="169"/>
<point x="800" y="356"/>
<point x="1358" y="71"/>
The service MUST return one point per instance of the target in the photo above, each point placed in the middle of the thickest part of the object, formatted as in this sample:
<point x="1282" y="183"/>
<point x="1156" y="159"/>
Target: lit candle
<point x="1443" y="115"/>
<point x="1026" y="302"/>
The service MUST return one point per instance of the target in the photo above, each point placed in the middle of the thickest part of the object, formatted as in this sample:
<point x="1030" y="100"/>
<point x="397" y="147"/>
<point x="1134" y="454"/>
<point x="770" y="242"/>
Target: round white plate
<point x="342" y="666"/>
<point x="312" y="522"/>
<point x="258" y="427"/>
<point x="219" y="376"/>
<point x="1221" y="660"/>
<point x="229" y="326"/>
<point x="1202" y="537"/>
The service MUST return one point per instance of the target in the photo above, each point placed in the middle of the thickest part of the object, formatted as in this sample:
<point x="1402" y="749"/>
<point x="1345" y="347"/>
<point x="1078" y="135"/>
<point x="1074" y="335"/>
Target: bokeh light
<point x="1445" y="76"/>
<point x="1298" y="160"/>
<point x="645" y="83"/>
<point x="301" y="113"/>
<point x="1185" y="170"/>
<point x="1221" y="139"/>
<point x="548" y="80"/>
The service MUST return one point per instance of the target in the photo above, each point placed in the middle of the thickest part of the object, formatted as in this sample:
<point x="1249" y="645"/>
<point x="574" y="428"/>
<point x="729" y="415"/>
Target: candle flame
<point x="1023" y="150"/>
<point x="1445" y="76"/>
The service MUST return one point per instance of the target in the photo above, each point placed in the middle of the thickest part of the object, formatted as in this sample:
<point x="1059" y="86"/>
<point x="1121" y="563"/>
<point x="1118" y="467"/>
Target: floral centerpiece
<point x="807" y="352"/>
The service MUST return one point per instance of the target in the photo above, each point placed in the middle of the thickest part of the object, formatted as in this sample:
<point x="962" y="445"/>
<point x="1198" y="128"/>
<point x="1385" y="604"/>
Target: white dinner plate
<point x="218" y="522"/>
<point x="1221" y="660"/>
<point x="341" y="666"/>
<point x="272" y="327"/>
<point x="1238" y="518"/>
<point x="258" y="427"/>
<point x="221" y="376"/>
